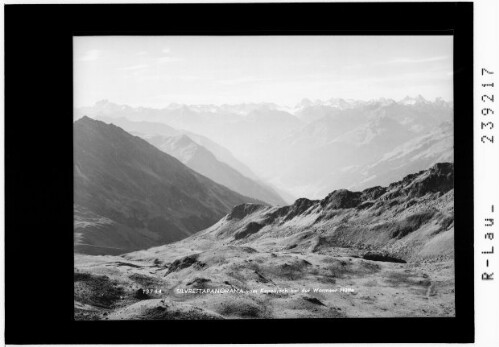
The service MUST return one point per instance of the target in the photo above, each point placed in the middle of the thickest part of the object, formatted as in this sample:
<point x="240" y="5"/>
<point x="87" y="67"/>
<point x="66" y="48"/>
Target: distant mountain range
<point x="316" y="146"/>
<point x="129" y="195"/>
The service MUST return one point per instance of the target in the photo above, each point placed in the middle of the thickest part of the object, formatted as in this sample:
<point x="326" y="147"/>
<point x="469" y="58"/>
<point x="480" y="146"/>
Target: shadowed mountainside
<point x="151" y="129"/>
<point x="130" y="195"/>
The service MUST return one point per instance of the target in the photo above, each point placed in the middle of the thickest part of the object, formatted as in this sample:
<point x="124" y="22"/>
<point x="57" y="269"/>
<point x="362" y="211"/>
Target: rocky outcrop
<point x="341" y="198"/>
<point x="440" y="178"/>
<point x="373" y="193"/>
<point x="379" y="256"/>
<point x="250" y="229"/>
<point x="185" y="262"/>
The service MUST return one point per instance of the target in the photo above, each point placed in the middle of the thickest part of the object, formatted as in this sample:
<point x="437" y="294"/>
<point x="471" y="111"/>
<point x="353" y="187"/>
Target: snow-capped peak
<point x="413" y="100"/>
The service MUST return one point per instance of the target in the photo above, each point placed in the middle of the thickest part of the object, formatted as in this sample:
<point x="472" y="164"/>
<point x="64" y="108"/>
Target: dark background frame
<point x="39" y="165"/>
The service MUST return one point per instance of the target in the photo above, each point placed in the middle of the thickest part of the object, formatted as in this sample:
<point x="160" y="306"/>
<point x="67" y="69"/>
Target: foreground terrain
<point x="382" y="252"/>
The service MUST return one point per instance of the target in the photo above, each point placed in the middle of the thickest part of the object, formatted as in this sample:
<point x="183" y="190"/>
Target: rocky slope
<point x="380" y="252"/>
<point x="129" y="195"/>
<point x="411" y="219"/>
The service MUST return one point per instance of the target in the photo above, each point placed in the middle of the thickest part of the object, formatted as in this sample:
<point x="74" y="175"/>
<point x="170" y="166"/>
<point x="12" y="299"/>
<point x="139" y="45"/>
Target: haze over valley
<point x="355" y="144"/>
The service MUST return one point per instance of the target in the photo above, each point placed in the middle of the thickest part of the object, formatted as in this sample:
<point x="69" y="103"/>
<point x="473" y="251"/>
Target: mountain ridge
<point x="418" y="206"/>
<point x="203" y="161"/>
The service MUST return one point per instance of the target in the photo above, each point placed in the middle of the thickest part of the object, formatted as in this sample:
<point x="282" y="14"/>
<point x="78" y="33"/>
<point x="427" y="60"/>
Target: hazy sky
<point x="155" y="71"/>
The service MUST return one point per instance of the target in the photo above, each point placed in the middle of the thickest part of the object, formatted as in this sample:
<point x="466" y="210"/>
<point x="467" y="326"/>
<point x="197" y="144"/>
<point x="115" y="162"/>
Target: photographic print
<point x="263" y="177"/>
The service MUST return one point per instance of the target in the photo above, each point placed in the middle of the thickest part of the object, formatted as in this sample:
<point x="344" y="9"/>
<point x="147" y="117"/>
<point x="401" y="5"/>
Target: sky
<point x="155" y="71"/>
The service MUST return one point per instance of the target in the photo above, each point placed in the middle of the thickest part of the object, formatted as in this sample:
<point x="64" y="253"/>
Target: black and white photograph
<point x="249" y="172"/>
<point x="263" y="177"/>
